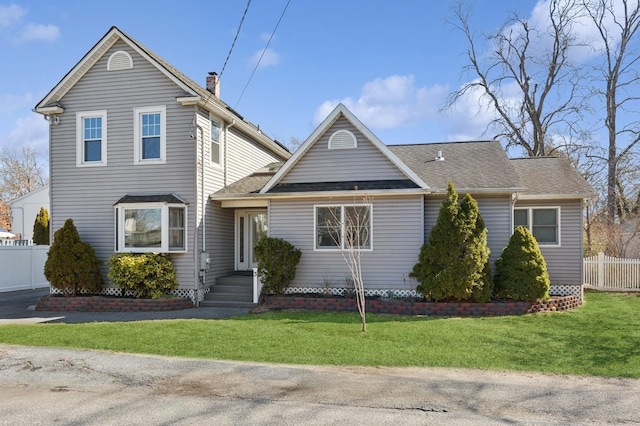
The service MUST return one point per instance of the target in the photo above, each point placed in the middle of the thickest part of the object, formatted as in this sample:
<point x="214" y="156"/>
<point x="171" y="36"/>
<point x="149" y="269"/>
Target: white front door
<point x="251" y="225"/>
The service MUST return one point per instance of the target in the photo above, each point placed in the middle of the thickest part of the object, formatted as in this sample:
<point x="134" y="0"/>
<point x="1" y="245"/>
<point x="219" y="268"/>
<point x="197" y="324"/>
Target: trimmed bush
<point x="146" y="275"/>
<point x="72" y="266"/>
<point x="454" y="265"/>
<point x="41" y="228"/>
<point x="521" y="271"/>
<point x="277" y="261"/>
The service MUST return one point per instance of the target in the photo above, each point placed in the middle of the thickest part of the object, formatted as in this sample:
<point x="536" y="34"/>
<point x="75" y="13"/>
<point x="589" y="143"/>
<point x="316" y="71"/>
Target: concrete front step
<point x="227" y="304"/>
<point x="230" y="291"/>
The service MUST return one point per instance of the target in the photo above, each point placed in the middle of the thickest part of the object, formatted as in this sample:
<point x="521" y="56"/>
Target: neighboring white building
<point x="24" y="210"/>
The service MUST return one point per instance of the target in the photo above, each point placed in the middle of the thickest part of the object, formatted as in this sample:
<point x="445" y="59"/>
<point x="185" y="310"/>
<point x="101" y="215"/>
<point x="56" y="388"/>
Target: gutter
<point x="243" y="125"/>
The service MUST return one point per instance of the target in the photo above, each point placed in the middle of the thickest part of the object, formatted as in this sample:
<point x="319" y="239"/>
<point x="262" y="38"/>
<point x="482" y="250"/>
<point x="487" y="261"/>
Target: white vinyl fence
<point x="611" y="273"/>
<point x="22" y="267"/>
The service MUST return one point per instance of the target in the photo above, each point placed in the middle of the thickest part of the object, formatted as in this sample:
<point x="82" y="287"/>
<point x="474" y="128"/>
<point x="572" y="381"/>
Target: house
<point x="136" y="148"/>
<point x="25" y="208"/>
<point x="343" y="166"/>
<point x="143" y="159"/>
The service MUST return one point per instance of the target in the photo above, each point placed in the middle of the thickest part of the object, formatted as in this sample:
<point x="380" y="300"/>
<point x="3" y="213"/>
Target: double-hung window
<point x="543" y="222"/>
<point x="215" y="142"/>
<point x="91" y="138"/>
<point x="150" y="226"/>
<point x="149" y="135"/>
<point x="343" y="227"/>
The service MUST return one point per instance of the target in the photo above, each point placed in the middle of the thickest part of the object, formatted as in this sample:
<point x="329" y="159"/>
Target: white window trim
<point x="220" y="141"/>
<point x="164" y="228"/>
<point x="342" y="207"/>
<point x="137" y="134"/>
<point x="530" y="210"/>
<point x="80" y="116"/>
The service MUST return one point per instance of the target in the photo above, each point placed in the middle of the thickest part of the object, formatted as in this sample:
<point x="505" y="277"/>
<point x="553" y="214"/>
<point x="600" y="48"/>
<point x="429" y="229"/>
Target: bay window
<point x="150" y="226"/>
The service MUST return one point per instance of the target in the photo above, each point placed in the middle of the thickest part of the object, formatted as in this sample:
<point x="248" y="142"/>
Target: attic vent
<point x="343" y="139"/>
<point x="119" y="60"/>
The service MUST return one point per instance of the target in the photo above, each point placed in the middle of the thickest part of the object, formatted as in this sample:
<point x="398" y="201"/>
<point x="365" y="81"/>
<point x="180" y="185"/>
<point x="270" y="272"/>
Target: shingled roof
<point x="551" y="177"/>
<point x="471" y="166"/>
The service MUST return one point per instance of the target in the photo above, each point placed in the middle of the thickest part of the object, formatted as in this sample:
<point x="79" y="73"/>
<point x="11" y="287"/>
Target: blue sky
<point x="391" y="62"/>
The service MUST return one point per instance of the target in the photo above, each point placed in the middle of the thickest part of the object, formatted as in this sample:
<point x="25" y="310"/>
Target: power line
<point x="263" y="52"/>
<point x="235" y="38"/>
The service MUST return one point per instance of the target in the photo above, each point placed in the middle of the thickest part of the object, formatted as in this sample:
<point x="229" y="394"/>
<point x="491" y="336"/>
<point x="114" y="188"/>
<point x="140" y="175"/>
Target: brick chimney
<point x="213" y="84"/>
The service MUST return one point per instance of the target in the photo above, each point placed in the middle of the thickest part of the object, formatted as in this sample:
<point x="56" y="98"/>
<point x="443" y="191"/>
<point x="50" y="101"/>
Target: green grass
<point x="600" y="338"/>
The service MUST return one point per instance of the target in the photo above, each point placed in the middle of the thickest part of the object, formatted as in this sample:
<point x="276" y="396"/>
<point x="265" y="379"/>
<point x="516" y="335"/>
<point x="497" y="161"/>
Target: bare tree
<point x="617" y="24"/>
<point x="350" y="227"/>
<point x="19" y="173"/>
<point x="527" y="79"/>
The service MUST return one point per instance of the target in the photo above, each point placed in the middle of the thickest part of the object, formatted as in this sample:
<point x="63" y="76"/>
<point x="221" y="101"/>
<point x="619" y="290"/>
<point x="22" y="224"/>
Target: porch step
<point x="232" y="291"/>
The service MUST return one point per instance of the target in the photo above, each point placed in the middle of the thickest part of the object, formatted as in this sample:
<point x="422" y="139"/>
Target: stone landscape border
<point x="400" y="307"/>
<point x="111" y="304"/>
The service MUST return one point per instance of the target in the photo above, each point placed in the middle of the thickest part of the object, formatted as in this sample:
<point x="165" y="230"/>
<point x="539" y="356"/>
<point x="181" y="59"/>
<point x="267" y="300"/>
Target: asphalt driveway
<point x="17" y="307"/>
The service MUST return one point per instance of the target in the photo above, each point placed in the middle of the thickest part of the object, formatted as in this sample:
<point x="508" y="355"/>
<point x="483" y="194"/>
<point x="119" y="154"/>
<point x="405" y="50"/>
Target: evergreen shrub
<point x="521" y="271"/>
<point x="454" y="265"/>
<point x="72" y="266"/>
<point x="41" y="228"/>
<point x="277" y="262"/>
<point x="145" y="275"/>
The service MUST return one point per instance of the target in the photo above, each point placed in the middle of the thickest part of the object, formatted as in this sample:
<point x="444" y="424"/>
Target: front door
<point x="251" y="225"/>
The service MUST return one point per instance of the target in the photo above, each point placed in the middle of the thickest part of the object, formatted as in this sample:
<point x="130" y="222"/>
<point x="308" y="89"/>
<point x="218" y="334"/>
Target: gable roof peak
<point x="342" y="111"/>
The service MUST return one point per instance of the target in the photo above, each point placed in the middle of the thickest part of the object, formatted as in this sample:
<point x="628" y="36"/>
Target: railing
<point x="16" y="242"/>
<point x="611" y="273"/>
<point x="257" y="286"/>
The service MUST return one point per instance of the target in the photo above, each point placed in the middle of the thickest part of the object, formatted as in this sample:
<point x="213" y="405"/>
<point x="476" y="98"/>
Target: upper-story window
<point x="150" y="135"/>
<point x="215" y="142"/>
<point x="91" y="138"/>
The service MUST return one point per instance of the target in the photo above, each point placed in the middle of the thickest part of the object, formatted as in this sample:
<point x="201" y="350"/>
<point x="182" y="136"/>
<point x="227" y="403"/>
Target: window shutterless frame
<point x="149" y="135"/>
<point x="543" y="222"/>
<point x="91" y="138"/>
<point x="340" y="227"/>
<point x="151" y="227"/>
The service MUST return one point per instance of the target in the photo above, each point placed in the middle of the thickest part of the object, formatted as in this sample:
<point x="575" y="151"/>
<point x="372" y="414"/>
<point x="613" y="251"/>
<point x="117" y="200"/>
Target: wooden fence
<point x="611" y="273"/>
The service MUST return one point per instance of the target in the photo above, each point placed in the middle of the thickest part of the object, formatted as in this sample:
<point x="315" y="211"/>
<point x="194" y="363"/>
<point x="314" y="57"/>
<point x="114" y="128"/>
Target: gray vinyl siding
<point x="220" y="244"/>
<point x="496" y="213"/>
<point x="87" y="194"/>
<point x="564" y="263"/>
<point x="244" y="156"/>
<point x="321" y="164"/>
<point x="397" y="238"/>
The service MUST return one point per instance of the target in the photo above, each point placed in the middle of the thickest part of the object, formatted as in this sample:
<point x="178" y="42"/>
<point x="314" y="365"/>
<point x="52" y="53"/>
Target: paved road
<point x="43" y="386"/>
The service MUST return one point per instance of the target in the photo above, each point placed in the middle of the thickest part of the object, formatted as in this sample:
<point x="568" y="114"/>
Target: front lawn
<point x="600" y="338"/>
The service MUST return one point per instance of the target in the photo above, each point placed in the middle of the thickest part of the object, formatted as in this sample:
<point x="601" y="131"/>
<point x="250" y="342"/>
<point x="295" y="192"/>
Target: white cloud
<point x="390" y="102"/>
<point x="38" y="32"/>
<point x="32" y="131"/>
<point x="10" y="15"/>
<point x="11" y="18"/>
<point x="10" y="103"/>
<point x="267" y="58"/>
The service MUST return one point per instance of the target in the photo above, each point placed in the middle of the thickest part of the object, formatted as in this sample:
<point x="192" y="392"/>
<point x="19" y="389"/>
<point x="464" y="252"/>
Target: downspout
<point x="224" y="152"/>
<point x="514" y="199"/>
<point x="199" y="138"/>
